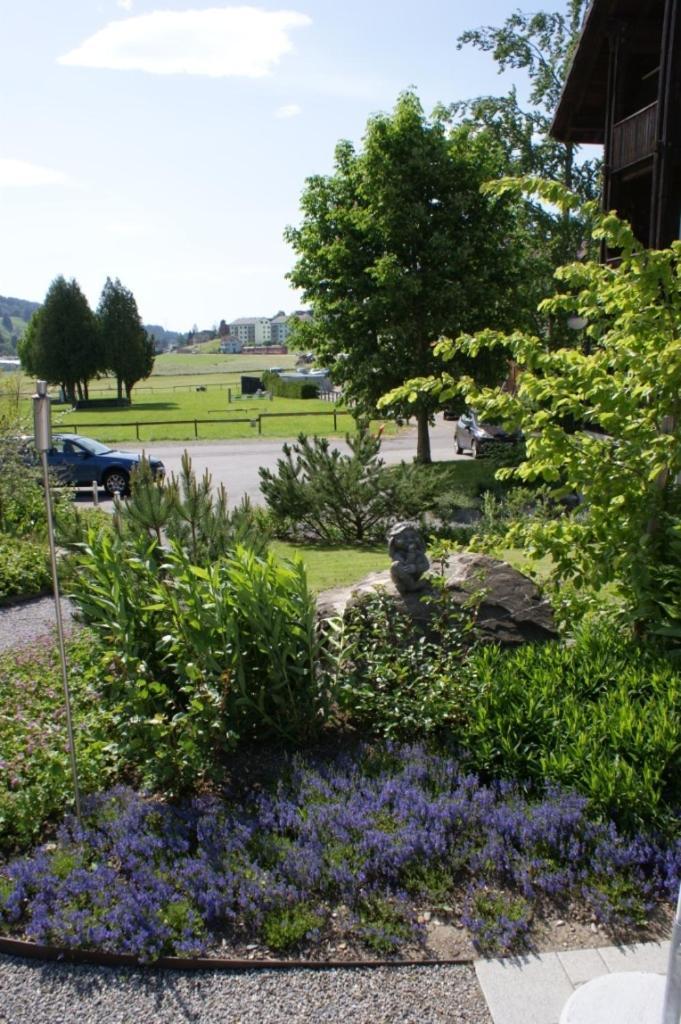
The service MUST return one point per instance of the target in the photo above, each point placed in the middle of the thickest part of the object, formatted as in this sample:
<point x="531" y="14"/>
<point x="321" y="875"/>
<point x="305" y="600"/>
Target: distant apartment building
<point x="264" y="332"/>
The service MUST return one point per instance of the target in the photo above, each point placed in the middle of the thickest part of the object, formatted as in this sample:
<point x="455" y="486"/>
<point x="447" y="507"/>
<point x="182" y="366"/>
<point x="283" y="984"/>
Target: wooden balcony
<point x="633" y="138"/>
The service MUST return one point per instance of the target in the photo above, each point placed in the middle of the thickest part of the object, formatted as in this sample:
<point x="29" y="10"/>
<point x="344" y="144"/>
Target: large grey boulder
<point x="512" y="609"/>
<point x="507" y="606"/>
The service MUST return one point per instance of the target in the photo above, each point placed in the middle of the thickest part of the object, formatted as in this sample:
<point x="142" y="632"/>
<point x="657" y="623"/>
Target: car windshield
<point x="94" y="447"/>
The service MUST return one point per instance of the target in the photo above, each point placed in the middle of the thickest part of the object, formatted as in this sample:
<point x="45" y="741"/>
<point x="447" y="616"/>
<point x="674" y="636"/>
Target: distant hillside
<point x="14" y="315"/>
<point x="164" y="338"/>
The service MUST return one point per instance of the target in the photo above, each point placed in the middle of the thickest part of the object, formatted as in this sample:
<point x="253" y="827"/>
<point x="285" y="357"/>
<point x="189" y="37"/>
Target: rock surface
<point x="511" y="608"/>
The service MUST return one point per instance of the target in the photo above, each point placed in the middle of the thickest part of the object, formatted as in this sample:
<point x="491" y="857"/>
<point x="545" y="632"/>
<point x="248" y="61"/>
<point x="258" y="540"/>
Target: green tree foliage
<point x="128" y="349"/>
<point x="188" y="511"/>
<point x="602" y="422"/>
<point x="397" y="247"/>
<point x="541" y="45"/>
<point x="62" y="343"/>
<point x="317" y="493"/>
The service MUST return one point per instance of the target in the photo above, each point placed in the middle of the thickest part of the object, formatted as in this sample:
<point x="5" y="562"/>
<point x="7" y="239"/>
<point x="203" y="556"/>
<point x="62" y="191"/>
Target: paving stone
<point x="529" y="991"/>
<point x="582" y="965"/>
<point x="643" y="956"/>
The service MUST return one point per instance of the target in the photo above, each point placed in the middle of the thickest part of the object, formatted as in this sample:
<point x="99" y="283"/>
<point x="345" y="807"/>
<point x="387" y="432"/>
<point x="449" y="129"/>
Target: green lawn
<point x="280" y="417"/>
<point x="334" y="567"/>
<point x="186" y="363"/>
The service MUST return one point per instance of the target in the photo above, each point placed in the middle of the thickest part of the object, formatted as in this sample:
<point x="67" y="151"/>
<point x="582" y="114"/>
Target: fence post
<point x="260" y="423"/>
<point x="196" y="429"/>
<point x="137" y="431"/>
<point x="335" y="420"/>
<point x="229" y="396"/>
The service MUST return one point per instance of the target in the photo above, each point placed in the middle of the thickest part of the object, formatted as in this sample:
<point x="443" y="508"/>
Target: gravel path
<point x="21" y="624"/>
<point x="32" y="993"/>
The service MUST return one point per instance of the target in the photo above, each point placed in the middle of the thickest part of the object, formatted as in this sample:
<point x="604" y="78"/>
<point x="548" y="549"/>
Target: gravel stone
<point x="23" y="623"/>
<point x="49" y="993"/>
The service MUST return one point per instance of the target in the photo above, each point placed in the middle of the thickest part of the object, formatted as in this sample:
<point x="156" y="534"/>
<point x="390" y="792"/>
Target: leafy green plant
<point x="383" y="924"/>
<point x="600" y="715"/>
<point x="35" y="774"/>
<point x="186" y="510"/>
<point x="286" y="928"/>
<point x="24" y="568"/>
<point x="319" y="494"/>
<point x="199" y="657"/>
<point x="390" y="679"/>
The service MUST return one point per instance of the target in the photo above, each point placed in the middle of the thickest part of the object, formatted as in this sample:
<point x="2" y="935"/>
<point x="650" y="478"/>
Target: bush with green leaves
<point x="273" y="383"/>
<point x="601" y="715"/>
<point x="319" y="494"/>
<point x="390" y="679"/>
<point x="24" y="568"/>
<point x="199" y="657"/>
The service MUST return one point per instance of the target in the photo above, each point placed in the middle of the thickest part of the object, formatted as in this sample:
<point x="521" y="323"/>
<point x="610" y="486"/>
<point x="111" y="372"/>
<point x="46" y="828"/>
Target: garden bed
<point x="376" y="852"/>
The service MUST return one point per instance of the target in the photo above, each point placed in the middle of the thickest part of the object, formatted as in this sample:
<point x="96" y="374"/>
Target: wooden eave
<point x="580" y="116"/>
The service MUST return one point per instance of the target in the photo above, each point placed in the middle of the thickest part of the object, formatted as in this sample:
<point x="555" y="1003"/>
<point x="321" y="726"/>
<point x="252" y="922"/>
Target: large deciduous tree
<point x="62" y="343"/>
<point x="128" y="349"/>
<point x="397" y="247"/>
<point x="540" y="45"/>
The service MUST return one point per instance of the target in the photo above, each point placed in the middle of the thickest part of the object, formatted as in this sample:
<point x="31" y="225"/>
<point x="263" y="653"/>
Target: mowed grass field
<point x="171" y="394"/>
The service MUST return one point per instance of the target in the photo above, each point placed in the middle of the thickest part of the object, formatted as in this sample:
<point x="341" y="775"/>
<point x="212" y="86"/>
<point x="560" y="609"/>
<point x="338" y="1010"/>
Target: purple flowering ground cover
<point x="358" y="843"/>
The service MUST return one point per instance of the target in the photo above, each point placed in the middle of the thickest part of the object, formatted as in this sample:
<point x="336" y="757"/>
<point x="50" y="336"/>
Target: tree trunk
<point x="119" y="385"/>
<point x="423" y="437"/>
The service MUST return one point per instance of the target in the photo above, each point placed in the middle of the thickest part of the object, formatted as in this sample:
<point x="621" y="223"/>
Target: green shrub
<point x="35" y="775"/>
<point x="199" y="657"/>
<point x="286" y="928"/>
<point x="22" y="499"/>
<point x="273" y="383"/>
<point x="601" y="715"/>
<point x="503" y="453"/>
<point x="319" y="494"/>
<point x="188" y="511"/>
<point x="391" y="680"/>
<point x="24" y="568"/>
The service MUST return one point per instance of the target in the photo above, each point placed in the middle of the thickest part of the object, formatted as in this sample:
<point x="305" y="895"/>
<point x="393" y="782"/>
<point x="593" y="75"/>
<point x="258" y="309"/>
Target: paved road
<point x="235" y="463"/>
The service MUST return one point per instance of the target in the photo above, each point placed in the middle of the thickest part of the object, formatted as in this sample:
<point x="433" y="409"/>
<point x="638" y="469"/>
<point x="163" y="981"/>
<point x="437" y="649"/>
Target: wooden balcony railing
<point x="633" y="138"/>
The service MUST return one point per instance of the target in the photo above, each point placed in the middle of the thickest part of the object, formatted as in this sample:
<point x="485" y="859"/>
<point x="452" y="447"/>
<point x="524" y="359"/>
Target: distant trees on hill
<point x="14" y="316"/>
<point x="66" y="343"/>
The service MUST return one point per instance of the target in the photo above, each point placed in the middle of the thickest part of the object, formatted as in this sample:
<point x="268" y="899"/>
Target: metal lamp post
<point x="42" y="431"/>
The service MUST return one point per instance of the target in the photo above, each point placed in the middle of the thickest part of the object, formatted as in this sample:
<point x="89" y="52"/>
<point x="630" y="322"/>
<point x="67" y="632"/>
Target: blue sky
<point x="167" y="142"/>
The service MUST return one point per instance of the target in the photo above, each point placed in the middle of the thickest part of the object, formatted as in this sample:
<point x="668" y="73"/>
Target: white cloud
<point x="218" y="42"/>
<point x="289" y="110"/>
<point x="21" y="174"/>
<point x="125" y="4"/>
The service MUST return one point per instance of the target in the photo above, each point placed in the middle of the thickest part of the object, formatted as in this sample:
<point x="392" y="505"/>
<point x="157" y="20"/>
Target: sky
<point x="167" y="142"/>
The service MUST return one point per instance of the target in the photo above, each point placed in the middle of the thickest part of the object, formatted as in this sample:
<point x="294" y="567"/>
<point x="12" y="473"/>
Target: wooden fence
<point x="254" y="421"/>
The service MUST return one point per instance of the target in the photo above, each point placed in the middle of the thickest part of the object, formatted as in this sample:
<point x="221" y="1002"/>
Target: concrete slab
<point x="529" y="991"/>
<point x="643" y="956"/>
<point x="582" y="965"/>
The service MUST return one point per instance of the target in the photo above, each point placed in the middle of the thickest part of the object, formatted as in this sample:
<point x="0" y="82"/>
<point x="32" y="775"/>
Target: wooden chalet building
<point x="623" y="92"/>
